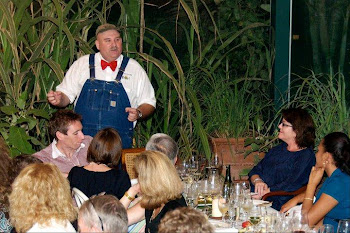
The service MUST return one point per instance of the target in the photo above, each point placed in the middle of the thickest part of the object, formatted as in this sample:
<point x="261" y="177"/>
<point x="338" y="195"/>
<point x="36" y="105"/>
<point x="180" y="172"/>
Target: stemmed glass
<point x="204" y="192"/>
<point x="327" y="228"/>
<point x="193" y="194"/>
<point x="344" y="226"/>
<point x="255" y="216"/>
<point x="237" y="188"/>
<point x="194" y="169"/>
<point x="246" y="187"/>
<point x="247" y="204"/>
<point x="223" y="203"/>
<point x="300" y="222"/>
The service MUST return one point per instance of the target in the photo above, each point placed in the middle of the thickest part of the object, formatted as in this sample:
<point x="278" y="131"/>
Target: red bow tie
<point x="112" y="64"/>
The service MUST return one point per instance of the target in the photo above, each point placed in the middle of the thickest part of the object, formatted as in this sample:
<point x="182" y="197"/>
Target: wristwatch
<point x="140" y="113"/>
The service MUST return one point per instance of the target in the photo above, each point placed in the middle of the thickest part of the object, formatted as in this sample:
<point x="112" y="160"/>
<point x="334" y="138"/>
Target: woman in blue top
<point x="333" y="199"/>
<point x="287" y="166"/>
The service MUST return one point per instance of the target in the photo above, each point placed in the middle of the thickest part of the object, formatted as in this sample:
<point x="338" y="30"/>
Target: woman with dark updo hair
<point x="333" y="200"/>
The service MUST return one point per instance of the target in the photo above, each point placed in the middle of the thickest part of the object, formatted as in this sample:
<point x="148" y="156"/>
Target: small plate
<point x="219" y="224"/>
<point x="262" y="203"/>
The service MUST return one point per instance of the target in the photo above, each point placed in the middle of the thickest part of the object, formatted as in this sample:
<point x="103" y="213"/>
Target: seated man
<point x="69" y="146"/>
<point x="163" y="143"/>
<point x="103" y="214"/>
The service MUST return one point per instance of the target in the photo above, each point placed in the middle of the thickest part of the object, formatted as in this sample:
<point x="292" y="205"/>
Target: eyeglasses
<point x="285" y="125"/>
<point x="97" y="215"/>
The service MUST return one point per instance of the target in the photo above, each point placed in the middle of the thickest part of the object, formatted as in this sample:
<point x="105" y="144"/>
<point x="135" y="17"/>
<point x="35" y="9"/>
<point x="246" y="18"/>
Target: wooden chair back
<point x="128" y="156"/>
<point x="284" y="193"/>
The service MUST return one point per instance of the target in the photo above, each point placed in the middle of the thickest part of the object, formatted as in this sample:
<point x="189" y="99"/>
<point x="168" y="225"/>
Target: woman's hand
<point x="293" y="202"/>
<point x="289" y="204"/>
<point x="261" y="188"/>
<point x="316" y="175"/>
<point x="134" y="190"/>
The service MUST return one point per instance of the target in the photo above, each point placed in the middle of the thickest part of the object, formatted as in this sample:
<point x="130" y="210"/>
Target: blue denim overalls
<point x="102" y="104"/>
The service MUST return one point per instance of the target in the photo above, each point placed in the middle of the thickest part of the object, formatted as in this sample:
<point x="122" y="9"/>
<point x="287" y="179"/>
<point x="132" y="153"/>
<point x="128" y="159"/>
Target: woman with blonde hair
<point x="161" y="189"/>
<point x="41" y="201"/>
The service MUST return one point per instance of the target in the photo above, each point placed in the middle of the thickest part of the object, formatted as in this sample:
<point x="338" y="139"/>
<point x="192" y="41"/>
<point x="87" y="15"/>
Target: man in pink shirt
<point x="69" y="147"/>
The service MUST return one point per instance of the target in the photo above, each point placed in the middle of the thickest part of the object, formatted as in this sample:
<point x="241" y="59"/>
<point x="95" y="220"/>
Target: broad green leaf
<point x="18" y="138"/>
<point x="21" y="102"/>
<point x="39" y="112"/>
<point x="9" y="110"/>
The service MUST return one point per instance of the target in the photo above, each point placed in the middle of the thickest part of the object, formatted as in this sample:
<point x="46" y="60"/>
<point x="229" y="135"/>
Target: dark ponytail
<point x="338" y="144"/>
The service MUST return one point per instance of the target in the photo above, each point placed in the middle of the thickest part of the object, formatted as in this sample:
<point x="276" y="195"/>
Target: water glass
<point x="300" y="222"/>
<point x="344" y="226"/>
<point x="327" y="228"/>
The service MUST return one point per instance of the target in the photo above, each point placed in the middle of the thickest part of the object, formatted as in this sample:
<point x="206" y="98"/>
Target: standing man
<point x="70" y="145"/>
<point x="107" y="88"/>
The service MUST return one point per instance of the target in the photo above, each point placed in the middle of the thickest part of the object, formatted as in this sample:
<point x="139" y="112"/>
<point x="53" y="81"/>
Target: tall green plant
<point x="39" y="39"/>
<point x="325" y="101"/>
<point x="329" y="28"/>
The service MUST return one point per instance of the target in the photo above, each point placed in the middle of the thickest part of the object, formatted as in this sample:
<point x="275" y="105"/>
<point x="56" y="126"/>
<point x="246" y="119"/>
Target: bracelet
<point x="257" y="179"/>
<point x="128" y="196"/>
<point x="308" y="198"/>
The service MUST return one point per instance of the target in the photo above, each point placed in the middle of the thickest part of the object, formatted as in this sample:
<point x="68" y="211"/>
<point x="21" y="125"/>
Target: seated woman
<point x="101" y="174"/>
<point x="103" y="214"/>
<point x="333" y="199"/>
<point x="287" y="166"/>
<point x="161" y="189"/>
<point x="5" y="187"/>
<point x="41" y="201"/>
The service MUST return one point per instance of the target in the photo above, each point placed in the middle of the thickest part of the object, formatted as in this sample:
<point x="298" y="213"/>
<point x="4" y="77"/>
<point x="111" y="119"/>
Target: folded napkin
<point x="222" y="226"/>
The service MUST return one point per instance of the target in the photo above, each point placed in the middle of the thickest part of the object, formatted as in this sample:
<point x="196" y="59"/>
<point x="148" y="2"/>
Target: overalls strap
<point x="122" y="68"/>
<point x="92" y="65"/>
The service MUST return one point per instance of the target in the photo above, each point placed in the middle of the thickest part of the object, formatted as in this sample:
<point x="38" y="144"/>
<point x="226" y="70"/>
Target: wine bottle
<point x="228" y="182"/>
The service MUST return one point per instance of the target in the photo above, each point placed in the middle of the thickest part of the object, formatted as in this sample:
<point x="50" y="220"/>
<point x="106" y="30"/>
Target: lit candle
<point x="215" y="212"/>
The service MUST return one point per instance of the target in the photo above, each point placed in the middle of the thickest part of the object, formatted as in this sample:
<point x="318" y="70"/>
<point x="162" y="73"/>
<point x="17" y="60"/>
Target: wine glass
<point x="237" y="188"/>
<point x="192" y="195"/>
<point x="223" y="204"/>
<point x="344" y="226"/>
<point x="247" y="205"/>
<point x="327" y="228"/>
<point x="246" y="187"/>
<point x="204" y="194"/>
<point x="300" y="222"/>
<point x="194" y="169"/>
<point x="255" y="216"/>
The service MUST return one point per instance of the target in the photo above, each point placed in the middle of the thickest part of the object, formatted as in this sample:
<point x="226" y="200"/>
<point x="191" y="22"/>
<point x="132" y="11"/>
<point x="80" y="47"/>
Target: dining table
<point x="236" y="225"/>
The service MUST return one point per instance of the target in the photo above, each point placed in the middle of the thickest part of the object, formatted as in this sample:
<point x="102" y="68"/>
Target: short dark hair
<point x="105" y="147"/>
<point x="303" y="125"/>
<point x="106" y="27"/>
<point x="61" y="120"/>
<point x="185" y="220"/>
<point x="338" y="144"/>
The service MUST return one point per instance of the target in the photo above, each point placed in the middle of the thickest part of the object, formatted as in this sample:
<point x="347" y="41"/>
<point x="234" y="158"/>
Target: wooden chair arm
<point x="284" y="193"/>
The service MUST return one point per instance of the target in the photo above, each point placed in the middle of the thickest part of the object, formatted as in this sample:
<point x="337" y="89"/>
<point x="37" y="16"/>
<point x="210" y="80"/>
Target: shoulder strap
<point x="92" y="65"/>
<point x="122" y="68"/>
